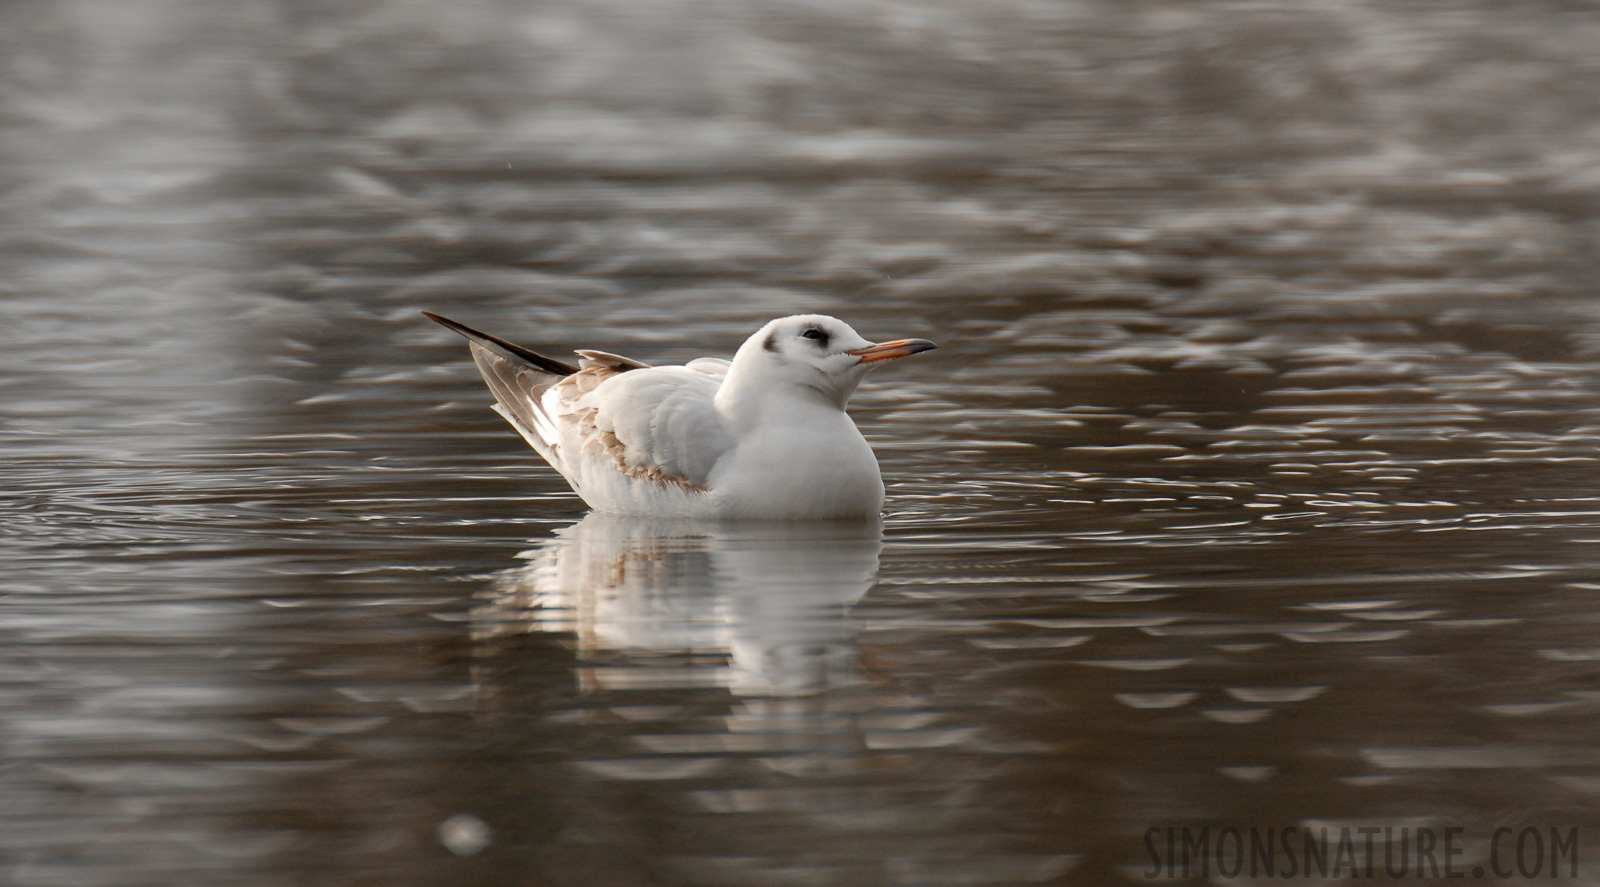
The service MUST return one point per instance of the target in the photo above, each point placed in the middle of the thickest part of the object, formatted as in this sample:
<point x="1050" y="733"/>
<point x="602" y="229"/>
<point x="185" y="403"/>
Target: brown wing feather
<point x="597" y="441"/>
<point x="520" y="379"/>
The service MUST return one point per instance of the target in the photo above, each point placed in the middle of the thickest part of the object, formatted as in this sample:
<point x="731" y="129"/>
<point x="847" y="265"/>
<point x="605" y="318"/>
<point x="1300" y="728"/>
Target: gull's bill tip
<point x="892" y="350"/>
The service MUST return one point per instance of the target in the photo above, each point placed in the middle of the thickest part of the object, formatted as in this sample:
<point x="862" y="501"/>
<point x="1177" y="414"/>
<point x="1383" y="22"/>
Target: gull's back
<point x="629" y="437"/>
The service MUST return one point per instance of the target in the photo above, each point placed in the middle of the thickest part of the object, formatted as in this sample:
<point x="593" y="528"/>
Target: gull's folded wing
<point x="610" y="414"/>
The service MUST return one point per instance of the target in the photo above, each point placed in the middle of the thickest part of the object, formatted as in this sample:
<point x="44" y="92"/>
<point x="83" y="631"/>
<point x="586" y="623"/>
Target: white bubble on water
<point x="464" y="834"/>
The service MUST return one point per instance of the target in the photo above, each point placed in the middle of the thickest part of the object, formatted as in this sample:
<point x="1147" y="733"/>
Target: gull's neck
<point x="755" y="392"/>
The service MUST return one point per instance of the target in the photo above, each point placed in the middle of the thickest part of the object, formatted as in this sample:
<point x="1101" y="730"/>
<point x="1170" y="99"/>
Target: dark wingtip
<point x="509" y="350"/>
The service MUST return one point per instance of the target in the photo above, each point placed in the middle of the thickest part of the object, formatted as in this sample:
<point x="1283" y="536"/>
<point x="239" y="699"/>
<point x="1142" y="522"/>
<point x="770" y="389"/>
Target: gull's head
<point x="815" y="353"/>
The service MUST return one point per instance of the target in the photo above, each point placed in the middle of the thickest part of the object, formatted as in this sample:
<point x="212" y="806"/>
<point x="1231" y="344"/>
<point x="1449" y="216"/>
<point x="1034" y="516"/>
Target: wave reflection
<point x="757" y="608"/>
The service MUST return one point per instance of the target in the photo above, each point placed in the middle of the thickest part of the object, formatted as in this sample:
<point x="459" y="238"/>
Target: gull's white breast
<point x="812" y="464"/>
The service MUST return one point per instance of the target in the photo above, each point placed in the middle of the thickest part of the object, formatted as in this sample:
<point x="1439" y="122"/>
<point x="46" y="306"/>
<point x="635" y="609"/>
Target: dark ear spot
<point x="771" y="343"/>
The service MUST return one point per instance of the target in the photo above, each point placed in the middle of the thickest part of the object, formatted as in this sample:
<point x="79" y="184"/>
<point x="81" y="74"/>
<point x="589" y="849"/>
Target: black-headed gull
<point x="762" y="436"/>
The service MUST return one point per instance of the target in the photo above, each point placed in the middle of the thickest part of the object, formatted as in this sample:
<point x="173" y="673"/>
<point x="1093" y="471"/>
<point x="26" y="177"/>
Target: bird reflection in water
<point x="759" y="608"/>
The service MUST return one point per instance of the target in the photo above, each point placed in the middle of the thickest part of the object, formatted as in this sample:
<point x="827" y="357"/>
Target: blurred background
<point x="1252" y="483"/>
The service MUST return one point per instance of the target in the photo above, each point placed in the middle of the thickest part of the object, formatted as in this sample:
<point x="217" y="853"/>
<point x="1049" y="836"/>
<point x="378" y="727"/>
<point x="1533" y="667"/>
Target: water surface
<point x="1252" y="483"/>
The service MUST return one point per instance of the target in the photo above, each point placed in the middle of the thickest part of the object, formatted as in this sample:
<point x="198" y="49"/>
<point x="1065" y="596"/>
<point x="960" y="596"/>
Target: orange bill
<point x="892" y="350"/>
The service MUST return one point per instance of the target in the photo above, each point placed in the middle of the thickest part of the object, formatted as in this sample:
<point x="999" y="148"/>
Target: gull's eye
<point x="815" y="335"/>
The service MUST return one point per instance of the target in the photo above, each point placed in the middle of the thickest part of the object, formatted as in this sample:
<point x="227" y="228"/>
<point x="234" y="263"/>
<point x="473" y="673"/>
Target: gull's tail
<point x="519" y="379"/>
<point x="508" y="350"/>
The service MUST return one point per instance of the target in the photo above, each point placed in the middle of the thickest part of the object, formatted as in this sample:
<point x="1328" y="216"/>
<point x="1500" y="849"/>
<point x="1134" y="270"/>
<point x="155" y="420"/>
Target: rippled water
<point x="1252" y="484"/>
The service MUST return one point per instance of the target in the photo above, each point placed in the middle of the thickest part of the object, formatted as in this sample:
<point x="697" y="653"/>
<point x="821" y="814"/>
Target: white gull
<point x="762" y="436"/>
